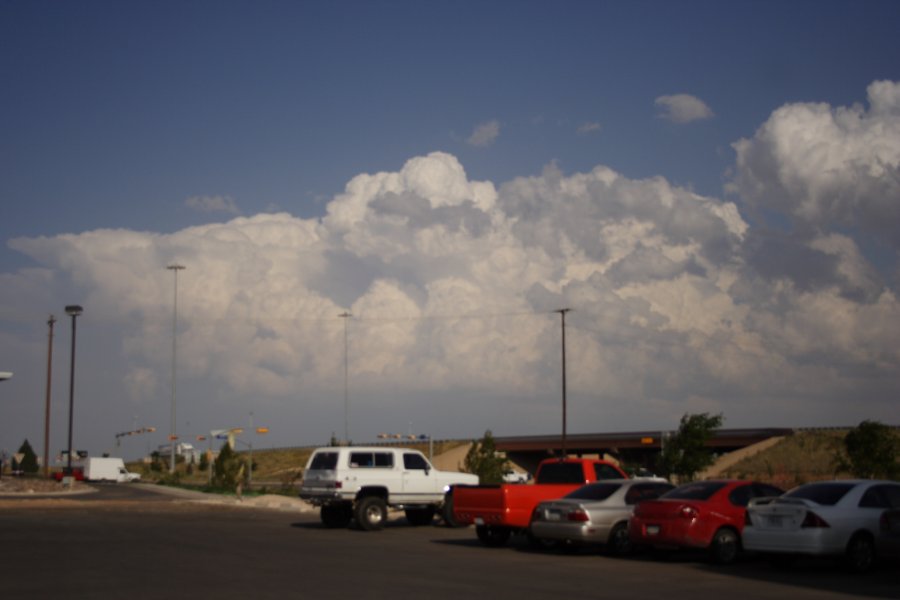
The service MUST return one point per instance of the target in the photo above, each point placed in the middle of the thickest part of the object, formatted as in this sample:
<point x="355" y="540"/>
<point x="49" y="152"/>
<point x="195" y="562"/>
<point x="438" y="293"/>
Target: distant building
<point x="190" y="454"/>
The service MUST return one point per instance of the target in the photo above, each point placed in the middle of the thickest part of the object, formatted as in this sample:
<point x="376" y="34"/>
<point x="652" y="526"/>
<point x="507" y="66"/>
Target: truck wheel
<point x="335" y="516"/>
<point x="447" y="512"/>
<point x="725" y="546"/>
<point x="371" y="513"/>
<point x="420" y="516"/>
<point x="492" y="536"/>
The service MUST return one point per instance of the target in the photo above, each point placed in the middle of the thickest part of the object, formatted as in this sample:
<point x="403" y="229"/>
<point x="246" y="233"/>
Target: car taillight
<point x="747" y="521"/>
<point x="688" y="512"/>
<point x="813" y="520"/>
<point x="338" y="485"/>
<point x="578" y="515"/>
<point x="883" y="524"/>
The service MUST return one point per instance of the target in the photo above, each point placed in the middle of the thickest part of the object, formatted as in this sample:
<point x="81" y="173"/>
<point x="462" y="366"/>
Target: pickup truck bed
<point x="497" y="511"/>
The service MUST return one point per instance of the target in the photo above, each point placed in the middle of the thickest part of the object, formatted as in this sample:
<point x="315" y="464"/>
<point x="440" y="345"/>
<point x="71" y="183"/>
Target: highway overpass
<point x="635" y="447"/>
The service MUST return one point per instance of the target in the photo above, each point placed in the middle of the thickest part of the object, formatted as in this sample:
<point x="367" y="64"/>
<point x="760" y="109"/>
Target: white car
<point x="827" y="518"/>
<point x="513" y="476"/>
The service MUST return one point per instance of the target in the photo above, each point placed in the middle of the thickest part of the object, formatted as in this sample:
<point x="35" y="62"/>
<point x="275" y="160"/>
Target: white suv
<point x="362" y="482"/>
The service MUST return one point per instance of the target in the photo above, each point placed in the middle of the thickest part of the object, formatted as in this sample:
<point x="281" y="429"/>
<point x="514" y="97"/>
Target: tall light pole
<point x="73" y="310"/>
<point x="346" y="315"/>
<point x="562" y="313"/>
<point x="50" y="322"/>
<point x="172" y="435"/>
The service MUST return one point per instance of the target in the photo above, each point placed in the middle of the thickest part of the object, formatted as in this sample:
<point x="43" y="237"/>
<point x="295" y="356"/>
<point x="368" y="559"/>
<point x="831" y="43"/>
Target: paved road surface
<point x="126" y="542"/>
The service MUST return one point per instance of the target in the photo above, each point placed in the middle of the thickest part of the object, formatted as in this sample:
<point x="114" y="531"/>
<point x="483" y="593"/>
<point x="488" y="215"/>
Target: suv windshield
<point x="826" y="494"/>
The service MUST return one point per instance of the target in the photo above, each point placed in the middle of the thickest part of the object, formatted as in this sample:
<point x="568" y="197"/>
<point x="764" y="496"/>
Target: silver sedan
<point x="596" y="513"/>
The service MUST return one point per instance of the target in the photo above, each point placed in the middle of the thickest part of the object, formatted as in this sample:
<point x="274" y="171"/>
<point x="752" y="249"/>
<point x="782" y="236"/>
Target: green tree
<point x="685" y="453"/>
<point x="482" y="460"/>
<point x="227" y="469"/>
<point x="204" y="462"/>
<point x="29" y="462"/>
<point x="870" y="451"/>
<point x="155" y="462"/>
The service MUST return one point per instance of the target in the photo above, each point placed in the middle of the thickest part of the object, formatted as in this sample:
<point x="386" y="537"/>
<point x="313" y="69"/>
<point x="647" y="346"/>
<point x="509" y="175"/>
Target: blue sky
<point x="114" y="113"/>
<point x="146" y="125"/>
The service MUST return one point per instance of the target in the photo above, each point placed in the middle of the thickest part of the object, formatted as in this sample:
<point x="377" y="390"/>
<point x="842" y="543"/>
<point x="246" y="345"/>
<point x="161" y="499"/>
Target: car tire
<point x="491" y="536"/>
<point x="725" y="546"/>
<point x="370" y="513"/>
<point x="859" y="555"/>
<point x="619" y="543"/>
<point x="418" y="517"/>
<point x="335" y="516"/>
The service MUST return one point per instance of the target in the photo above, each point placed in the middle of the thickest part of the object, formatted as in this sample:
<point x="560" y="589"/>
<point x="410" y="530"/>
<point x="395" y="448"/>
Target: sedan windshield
<point x="826" y="494"/>
<point x="701" y="490"/>
<point x="594" y="491"/>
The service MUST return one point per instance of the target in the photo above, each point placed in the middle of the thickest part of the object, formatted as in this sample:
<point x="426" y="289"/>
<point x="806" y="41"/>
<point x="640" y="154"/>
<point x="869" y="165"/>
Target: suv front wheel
<point x="370" y="513"/>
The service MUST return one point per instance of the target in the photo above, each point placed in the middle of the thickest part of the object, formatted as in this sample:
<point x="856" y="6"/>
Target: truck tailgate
<point x="506" y="505"/>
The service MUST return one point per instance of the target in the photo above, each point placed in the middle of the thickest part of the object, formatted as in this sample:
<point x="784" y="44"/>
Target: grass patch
<point x="797" y="459"/>
<point x="276" y="471"/>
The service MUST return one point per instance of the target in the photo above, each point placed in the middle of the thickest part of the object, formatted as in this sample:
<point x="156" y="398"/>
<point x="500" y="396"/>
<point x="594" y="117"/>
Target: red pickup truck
<point x="501" y="510"/>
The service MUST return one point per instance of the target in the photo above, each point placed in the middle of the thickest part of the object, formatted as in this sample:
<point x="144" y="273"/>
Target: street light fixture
<point x="73" y="310"/>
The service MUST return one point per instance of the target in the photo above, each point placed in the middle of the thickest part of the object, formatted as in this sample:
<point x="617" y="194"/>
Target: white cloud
<point x="485" y="134"/>
<point x="207" y="204"/>
<point x="683" y="108"/>
<point x="452" y="283"/>
<point x="588" y="128"/>
<point x="826" y="167"/>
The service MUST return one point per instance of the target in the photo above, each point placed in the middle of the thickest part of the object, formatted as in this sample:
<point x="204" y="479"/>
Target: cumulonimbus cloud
<point x="679" y="304"/>
<point x="826" y="166"/>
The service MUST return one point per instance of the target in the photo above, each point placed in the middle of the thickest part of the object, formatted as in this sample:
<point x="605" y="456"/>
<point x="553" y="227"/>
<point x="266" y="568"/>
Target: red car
<point x="702" y="514"/>
<point x="77" y="474"/>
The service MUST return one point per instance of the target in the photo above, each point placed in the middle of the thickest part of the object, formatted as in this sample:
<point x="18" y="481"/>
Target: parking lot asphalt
<point x="129" y="541"/>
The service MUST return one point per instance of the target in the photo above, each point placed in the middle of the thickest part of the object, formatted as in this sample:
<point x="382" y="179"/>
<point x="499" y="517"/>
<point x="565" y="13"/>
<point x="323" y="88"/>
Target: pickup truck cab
<point x="360" y="483"/>
<point x="498" y="511"/>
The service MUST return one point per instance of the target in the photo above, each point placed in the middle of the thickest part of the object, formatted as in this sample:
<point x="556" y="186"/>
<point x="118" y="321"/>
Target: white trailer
<point x="108" y="469"/>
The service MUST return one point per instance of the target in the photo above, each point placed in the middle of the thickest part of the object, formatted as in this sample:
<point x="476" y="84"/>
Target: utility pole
<point x="50" y="322"/>
<point x="562" y="313"/>
<point x="173" y="435"/>
<point x="74" y="311"/>
<point x="346" y="315"/>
